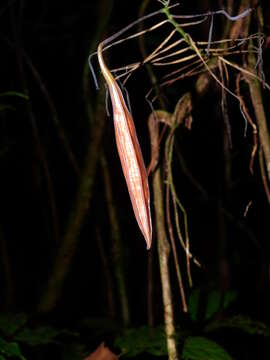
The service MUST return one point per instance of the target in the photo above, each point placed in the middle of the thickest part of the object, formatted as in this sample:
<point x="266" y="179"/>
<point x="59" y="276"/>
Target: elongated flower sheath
<point x="130" y="154"/>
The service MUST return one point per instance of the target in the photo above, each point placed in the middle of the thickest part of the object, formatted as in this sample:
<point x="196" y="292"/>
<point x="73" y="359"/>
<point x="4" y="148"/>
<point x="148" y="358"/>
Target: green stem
<point x="166" y="11"/>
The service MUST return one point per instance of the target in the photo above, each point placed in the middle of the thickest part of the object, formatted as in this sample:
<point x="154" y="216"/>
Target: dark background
<point x="57" y="37"/>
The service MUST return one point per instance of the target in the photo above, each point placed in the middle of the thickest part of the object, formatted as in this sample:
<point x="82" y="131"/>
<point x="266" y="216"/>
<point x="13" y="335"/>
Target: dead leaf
<point x="102" y="353"/>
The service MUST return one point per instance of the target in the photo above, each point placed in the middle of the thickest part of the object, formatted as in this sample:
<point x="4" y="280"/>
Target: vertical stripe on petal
<point x="130" y="154"/>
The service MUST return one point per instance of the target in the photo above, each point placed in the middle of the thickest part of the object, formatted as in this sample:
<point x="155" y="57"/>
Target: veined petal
<point x="130" y="154"/>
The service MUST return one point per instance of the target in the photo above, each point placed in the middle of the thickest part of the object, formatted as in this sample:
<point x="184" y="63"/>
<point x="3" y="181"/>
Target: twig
<point x="168" y="156"/>
<point x="163" y="247"/>
<point x="264" y="177"/>
<point x="251" y="122"/>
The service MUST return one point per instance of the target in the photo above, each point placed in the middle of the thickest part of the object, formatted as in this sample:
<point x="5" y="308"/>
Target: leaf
<point x="10" y="323"/>
<point x="42" y="335"/>
<point x="200" y="348"/>
<point x="10" y="349"/>
<point x="102" y="353"/>
<point x="140" y="340"/>
<point x="229" y="297"/>
<point x="193" y="304"/>
<point x="214" y="302"/>
<point x="243" y="323"/>
<point x="14" y="93"/>
<point x="6" y="107"/>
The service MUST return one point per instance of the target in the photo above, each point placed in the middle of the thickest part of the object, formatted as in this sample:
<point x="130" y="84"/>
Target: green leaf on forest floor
<point x="140" y="340"/>
<point x="42" y="335"/>
<point x="10" y="323"/>
<point x="243" y="323"/>
<point x="215" y="302"/>
<point x="10" y="349"/>
<point x="14" y="93"/>
<point x="201" y="348"/>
